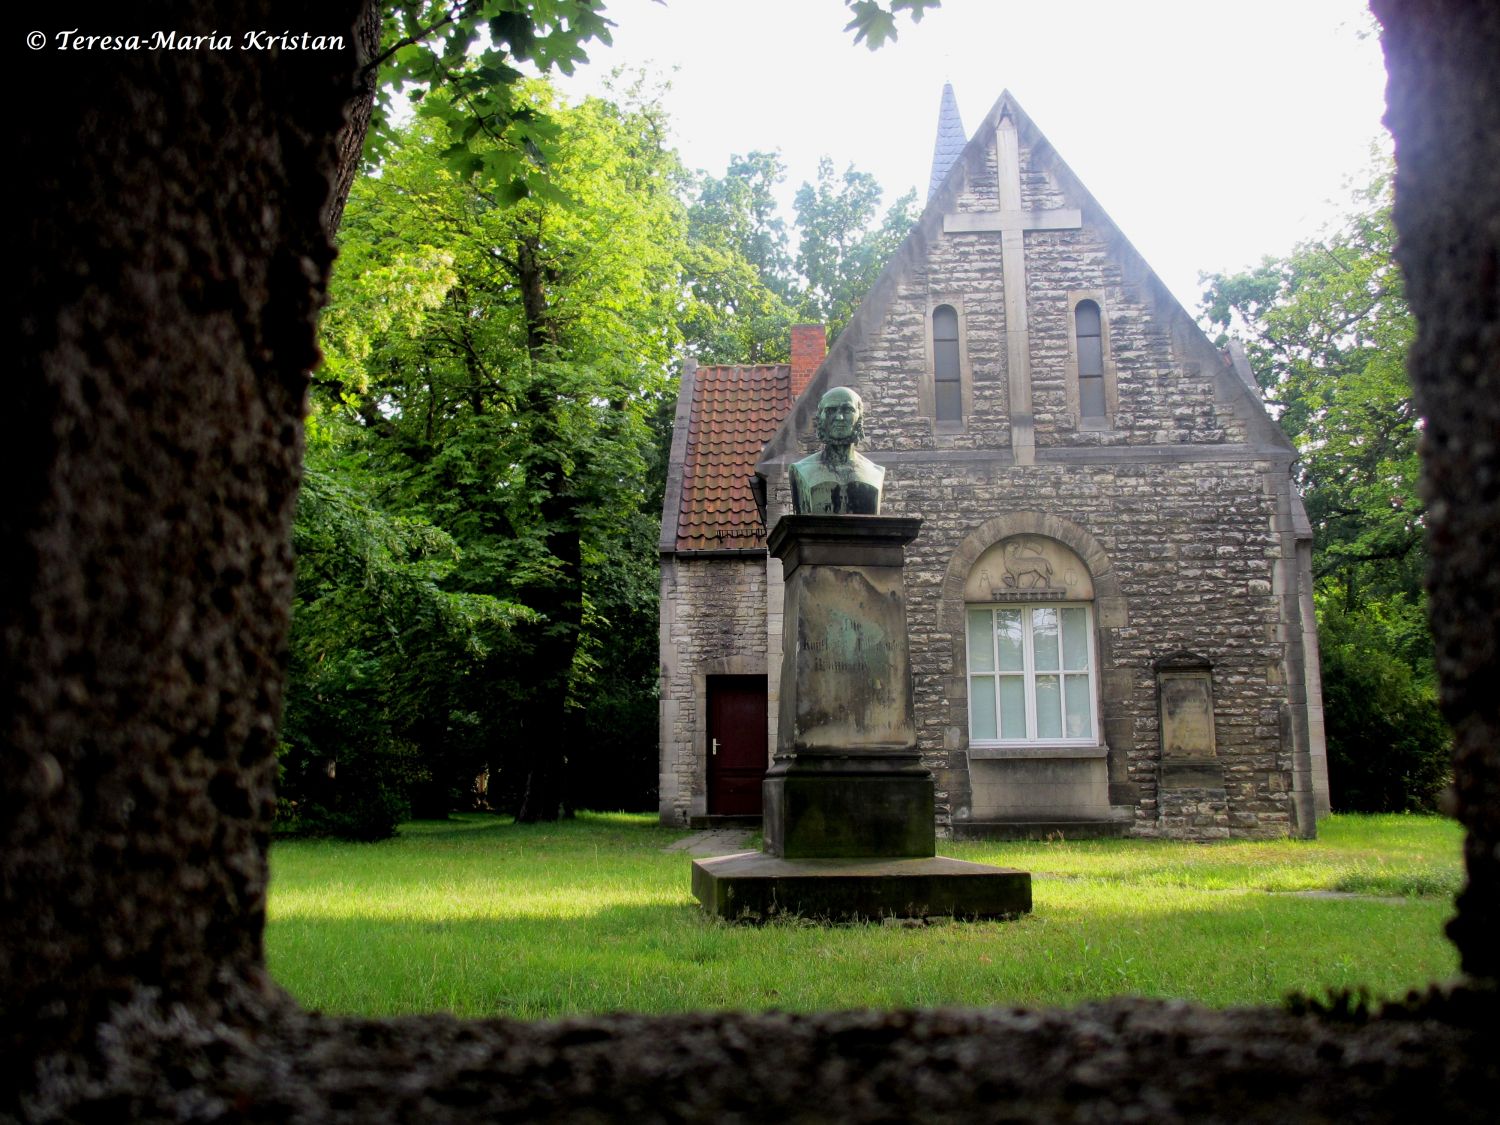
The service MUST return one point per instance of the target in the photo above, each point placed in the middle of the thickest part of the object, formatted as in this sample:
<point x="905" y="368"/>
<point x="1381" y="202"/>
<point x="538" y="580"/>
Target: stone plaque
<point x="1187" y="714"/>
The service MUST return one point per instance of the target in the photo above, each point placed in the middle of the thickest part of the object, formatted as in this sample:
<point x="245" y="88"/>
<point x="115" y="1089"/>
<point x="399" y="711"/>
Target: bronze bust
<point x="838" y="480"/>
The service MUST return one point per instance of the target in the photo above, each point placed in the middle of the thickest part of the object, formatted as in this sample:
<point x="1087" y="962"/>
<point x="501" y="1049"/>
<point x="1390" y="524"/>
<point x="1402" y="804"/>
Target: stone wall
<point x="713" y="622"/>
<point x="1190" y="552"/>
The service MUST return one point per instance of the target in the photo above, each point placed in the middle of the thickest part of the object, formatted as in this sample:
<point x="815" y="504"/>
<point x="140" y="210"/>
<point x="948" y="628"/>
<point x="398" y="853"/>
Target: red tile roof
<point x="734" y="412"/>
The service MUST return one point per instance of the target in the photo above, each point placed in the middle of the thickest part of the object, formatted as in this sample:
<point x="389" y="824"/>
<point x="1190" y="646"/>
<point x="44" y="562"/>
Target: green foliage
<point x="875" y="25"/>
<point x="494" y="372"/>
<point x="1327" y="330"/>
<point x="469" y="53"/>
<point x="741" y="280"/>
<point x="378" y="646"/>
<point x="466" y="52"/>
<point x="746" y="289"/>
<point x="841" y="251"/>
<point x="1388" y="747"/>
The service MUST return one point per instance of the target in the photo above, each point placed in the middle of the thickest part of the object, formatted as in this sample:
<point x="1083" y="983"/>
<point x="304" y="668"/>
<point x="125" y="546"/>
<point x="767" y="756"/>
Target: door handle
<point x="715" y="748"/>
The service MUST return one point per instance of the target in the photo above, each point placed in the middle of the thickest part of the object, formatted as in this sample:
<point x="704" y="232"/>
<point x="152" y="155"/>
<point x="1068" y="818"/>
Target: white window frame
<point x="1029" y="674"/>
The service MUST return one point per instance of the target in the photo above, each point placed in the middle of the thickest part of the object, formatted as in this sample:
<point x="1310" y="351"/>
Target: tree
<point x="1327" y="330"/>
<point x="379" y="711"/>
<point x="497" y="362"/>
<point x="746" y="288"/>
<point x="1388" y="750"/>
<point x="468" y="50"/>
<point x="422" y="343"/>
<point x="840" y="252"/>
<point x="743" y="288"/>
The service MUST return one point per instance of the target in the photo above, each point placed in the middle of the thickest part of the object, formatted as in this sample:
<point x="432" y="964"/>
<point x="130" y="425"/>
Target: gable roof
<point x="725" y="415"/>
<point x="840" y="368"/>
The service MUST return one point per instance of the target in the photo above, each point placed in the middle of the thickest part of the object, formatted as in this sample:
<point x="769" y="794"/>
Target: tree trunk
<point x="175" y="259"/>
<point x="1444" y="109"/>
<point x="351" y="138"/>
<point x="559" y="597"/>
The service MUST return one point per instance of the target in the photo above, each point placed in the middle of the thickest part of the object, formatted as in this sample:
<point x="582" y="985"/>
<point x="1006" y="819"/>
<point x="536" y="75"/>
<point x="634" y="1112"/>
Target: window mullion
<point x="1028" y="680"/>
<point x="990" y="617"/>
<point x="995" y="679"/>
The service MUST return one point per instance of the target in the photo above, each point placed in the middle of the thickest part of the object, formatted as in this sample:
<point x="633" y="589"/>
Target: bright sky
<point x="1212" y="132"/>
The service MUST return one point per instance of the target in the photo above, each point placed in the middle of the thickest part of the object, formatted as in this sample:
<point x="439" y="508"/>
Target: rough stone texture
<point x="1127" y="1060"/>
<point x="846" y="780"/>
<point x="130" y="960"/>
<point x="846" y="665"/>
<point x="1444" y="99"/>
<point x="173" y="262"/>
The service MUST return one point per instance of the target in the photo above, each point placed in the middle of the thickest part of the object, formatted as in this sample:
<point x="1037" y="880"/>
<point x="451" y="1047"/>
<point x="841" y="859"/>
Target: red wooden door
<point x="736" y="750"/>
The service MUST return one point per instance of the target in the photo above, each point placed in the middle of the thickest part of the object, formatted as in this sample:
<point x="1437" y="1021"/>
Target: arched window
<point x="948" y="399"/>
<point x="1032" y="668"/>
<point x="1088" y="330"/>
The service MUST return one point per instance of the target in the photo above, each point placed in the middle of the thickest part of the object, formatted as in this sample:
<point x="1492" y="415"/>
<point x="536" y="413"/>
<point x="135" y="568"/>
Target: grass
<point x="481" y="917"/>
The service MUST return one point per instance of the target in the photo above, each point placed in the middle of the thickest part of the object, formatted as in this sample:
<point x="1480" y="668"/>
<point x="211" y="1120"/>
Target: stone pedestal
<point x="847" y="781"/>
<point x="848" y="804"/>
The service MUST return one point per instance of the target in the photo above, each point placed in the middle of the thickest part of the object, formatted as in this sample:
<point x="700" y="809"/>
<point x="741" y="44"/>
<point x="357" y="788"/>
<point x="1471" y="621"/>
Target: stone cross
<point x="1012" y="223"/>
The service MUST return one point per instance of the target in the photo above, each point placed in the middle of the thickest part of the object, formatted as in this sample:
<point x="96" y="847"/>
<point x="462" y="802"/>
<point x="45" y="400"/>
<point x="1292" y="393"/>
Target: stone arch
<point x="992" y="531"/>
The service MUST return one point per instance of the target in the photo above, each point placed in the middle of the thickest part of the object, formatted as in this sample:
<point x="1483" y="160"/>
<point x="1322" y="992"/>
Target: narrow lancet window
<point x="947" y="387"/>
<point x="1088" y="327"/>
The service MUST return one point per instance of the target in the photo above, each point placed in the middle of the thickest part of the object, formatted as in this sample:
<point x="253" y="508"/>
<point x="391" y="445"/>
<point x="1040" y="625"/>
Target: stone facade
<point x="1176" y="497"/>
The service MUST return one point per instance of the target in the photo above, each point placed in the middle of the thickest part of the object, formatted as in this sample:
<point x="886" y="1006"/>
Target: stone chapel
<point x="1110" y="601"/>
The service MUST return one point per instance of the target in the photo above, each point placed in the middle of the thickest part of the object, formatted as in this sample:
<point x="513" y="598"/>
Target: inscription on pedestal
<point x="850" y="671"/>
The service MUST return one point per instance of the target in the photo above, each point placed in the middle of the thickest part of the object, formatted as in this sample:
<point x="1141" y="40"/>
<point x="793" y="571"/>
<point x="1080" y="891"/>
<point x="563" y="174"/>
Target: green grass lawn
<point x="481" y="917"/>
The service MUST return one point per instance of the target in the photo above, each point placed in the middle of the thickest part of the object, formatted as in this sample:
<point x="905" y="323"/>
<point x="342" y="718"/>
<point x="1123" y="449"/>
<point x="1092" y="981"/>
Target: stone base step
<point x="754" y="886"/>
<point x="751" y="822"/>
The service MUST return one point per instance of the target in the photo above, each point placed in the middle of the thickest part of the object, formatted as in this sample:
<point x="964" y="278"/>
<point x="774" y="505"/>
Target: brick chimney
<point x="809" y="346"/>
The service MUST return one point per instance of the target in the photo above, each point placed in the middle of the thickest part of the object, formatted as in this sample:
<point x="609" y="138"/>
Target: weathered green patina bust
<point x="838" y="480"/>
